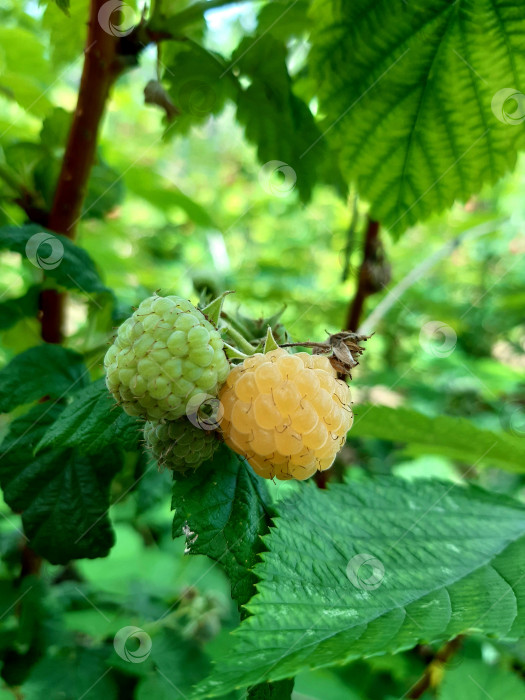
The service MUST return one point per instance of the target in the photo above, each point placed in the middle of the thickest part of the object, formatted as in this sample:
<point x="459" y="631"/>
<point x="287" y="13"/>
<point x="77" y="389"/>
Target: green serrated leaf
<point x="63" y="495"/>
<point x="61" y="260"/>
<point x="223" y="509"/>
<point x="276" y="120"/>
<point x="408" y="98"/>
<point x="374" y="568"/>
<point x="45" y="370"/>
<point x="92" y="422"/>
<point x="457" y="438"/>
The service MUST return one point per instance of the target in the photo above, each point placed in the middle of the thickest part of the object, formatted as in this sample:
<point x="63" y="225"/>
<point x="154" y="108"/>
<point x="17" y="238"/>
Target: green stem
<point x="241" y="341"/>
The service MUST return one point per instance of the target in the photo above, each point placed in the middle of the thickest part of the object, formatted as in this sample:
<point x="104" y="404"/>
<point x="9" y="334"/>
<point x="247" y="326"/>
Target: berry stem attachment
<point x="240" y="340"/>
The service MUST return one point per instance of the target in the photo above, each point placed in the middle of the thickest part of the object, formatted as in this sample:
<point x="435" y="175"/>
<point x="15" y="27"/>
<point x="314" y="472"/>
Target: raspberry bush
<point x="261" y="302"/>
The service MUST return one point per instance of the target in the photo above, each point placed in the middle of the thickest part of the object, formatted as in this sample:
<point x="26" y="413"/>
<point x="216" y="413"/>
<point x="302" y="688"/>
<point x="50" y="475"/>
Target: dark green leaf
<point x="71" y="673"/>
<point x="55" y="128"/>
<point x="61" y="260"/>
<point x="281" y="690"/>
<point x="373" y="568"/>
<point x="92" y="422"/>
<point x="198" y="82"/>
<point x="408" y="97"/>
<point x="46" y="370"/>
<point x="63" y="496"/>
<point x="174" y="666"/>
<point x="456" y="438"/>
<point x="222" y="509"/>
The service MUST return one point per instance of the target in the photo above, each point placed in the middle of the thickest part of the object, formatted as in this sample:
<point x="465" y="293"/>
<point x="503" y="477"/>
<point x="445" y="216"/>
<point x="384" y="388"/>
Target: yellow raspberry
<point x="287" y="414"/>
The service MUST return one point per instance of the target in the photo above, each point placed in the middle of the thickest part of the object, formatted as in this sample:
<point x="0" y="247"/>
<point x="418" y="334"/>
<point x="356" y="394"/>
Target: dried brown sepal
<point x="343" y="349"/>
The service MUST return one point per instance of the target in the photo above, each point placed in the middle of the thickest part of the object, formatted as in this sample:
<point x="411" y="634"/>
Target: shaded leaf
<point x="14" y="310"/>
<point x="222" y="509"/>
<point x="276" y="120"/>
<point x="45" y="370"/>
<point x="63" y="496"/>
<point x="72" y="672"/>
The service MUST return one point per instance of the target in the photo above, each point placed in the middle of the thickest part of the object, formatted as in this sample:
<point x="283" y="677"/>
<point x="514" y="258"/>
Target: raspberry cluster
<point x="287" y="414"/>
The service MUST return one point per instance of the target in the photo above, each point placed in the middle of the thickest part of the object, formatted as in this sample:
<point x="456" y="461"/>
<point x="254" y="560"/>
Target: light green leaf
<point x="45" y="370"/>
<point x="69" y="266"/>
<point x="476" y="680"/>
<point x="374" y="568"/>
<point x="408" y="97"/>
<point x="163" y="194"/>
<point x="92" y="422"/>
<point x="457" y="438"/>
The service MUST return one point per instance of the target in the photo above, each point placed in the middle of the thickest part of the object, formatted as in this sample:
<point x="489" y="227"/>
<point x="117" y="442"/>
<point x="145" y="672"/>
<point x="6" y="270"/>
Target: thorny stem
<point x="101" y="67"/>
<point x="364" y="288"/>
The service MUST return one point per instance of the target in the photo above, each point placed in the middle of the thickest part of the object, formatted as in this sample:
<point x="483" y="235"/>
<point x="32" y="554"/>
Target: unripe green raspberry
<point x="163" y="356"/>
<point x="179" y="445"/>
